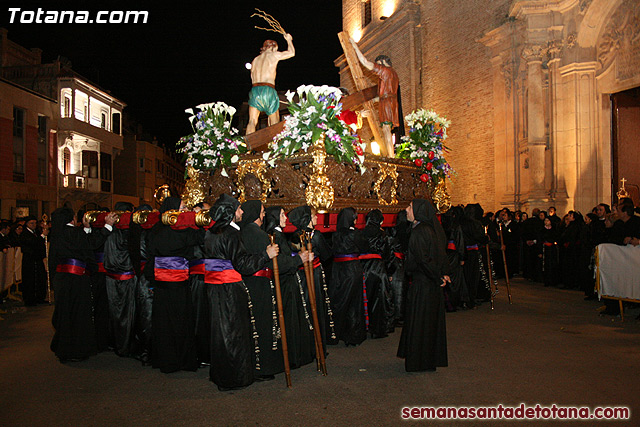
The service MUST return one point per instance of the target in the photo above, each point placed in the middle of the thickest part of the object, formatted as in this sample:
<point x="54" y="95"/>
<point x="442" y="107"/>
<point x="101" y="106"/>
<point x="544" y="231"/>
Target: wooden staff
<point x="491" y="284"/>
<point x="285" y="349"/>
<point x="504" y="259"/>
<point x="46" y="268"/>
<point x="312" y="298"/>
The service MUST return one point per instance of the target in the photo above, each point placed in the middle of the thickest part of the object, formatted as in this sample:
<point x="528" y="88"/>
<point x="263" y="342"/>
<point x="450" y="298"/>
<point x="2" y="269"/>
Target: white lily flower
<point x="224" y="173"/>
<point x="290" y="96"/>
<point x="265" y="156"/>
<point x="235" y="158"/>
<point x="189" y="111"/>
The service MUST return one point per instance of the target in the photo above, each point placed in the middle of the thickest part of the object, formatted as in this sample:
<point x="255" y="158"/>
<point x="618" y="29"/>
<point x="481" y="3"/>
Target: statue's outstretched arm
<point x="290" y="52"/>
<point x="364" y="61"/>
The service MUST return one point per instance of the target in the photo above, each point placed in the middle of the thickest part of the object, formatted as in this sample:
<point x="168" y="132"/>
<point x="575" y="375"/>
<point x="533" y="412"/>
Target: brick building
<point x="28" y="123"/>
<point x="542" y="94"/>
<point x="145" y="165"/>
<point x="79" y="122"/>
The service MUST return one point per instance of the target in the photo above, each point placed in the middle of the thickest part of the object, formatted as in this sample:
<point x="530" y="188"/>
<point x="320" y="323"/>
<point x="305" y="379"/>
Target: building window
<point x="18" y="144"/>
<point x="42" y="150"/>
<point x="366" y="12"/>
<point x="90" y="164"/>
<point x="115" y="123"/>
<point x="66" y="156"/>
<point x="67" y="106"/>
<point x="105" y="166"/>
<point x="141" y="164"/>
<point x="103" y="120"/>
<point x="105" y="172"/>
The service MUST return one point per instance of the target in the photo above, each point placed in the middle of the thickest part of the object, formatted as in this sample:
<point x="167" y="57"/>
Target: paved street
<point x="549" y="347"/>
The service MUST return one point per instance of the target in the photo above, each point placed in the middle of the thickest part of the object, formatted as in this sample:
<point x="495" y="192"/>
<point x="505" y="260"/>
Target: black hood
<point x="271" y="218"/>
<point x="300" y="217"/>
<point x="375" y="218"/>
<point x="223" y="211"/>
<point x="250" y="212"/>
<point x="59" y="219"/>
<point x="425" y="212"/>
<point x="127" y="207"/>
<point x="346" y="219"/>
<point x="170" y="204"/>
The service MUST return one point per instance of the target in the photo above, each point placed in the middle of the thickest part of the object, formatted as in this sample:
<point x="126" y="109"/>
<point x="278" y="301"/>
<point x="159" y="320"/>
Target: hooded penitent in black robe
<point x="297" y="314"/>
<point x="97" y="238"/>
<point x="69" y="257"/>
<point x="200" y="300"/>
<point x="423" y="343"/>
<point x="232" y="331"/>
<point x="262" y="291"/>
<point x="375" y="256"/>
<point x="346" y="290"/>
<point x="456" y="292"/>
<point x="547" y="245"/>
<point x="399" y="238"/>
<point x="300" y="217"/>
<point x="168" y="253"/>
<point x="474" y="241"/>
<point x="144" y="288"/>
<point x="121" y="289"/>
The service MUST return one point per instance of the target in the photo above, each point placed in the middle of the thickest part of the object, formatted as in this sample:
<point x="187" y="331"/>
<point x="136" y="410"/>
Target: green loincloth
<point x="265" y="99"/>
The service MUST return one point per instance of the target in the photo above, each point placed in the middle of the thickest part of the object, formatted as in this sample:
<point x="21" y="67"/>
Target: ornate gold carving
<point x="257" y="168"/>
<point x="170" y="217"/>
<point x="440" y="197"/>
<point x="194" y="188"/>
<point x="203" y="218"/>
<point x="162" y="193"/>
<point x="384" y="171"/>
<point x="622" y="192"/>
<point x="140" y="217"/>
<point x="319" y="193"/>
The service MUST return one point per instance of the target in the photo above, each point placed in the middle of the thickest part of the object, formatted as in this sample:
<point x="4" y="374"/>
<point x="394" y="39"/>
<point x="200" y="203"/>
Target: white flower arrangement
<point x="214" y="143"/>
<point x="318" y="111"/>
<point x="425" y="144"/>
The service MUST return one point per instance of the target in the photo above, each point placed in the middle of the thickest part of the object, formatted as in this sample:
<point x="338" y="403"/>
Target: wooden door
<point x="626" y="142"/>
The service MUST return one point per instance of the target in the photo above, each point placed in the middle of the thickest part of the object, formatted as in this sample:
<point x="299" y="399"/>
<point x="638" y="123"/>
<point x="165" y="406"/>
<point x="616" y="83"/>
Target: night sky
<point x="186" y="54"/>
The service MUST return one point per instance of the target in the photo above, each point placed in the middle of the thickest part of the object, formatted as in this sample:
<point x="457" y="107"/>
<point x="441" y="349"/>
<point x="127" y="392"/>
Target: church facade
<point x="542" y="94"/>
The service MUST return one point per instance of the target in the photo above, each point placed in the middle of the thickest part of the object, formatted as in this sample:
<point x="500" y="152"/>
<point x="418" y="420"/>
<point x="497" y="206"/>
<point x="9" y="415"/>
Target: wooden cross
<point x="361" y="85"/>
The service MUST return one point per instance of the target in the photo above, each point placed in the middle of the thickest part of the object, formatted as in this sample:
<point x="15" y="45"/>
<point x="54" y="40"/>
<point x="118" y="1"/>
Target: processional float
<point x="314" y="157"/>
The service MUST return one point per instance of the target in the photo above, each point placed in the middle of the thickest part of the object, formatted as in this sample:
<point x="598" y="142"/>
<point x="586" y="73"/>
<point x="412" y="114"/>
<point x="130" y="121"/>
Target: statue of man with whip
<point x="263" y="96"/>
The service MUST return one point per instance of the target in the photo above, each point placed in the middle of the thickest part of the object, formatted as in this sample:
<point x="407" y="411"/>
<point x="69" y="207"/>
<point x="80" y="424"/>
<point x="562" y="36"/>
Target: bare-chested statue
<point x="387" y="91"/>
<point x="263" y="95"/>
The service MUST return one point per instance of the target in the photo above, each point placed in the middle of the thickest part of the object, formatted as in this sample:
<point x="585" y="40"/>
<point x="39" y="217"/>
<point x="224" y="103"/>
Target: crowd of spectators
<point x="28" y="238"/>
<point x="544" y="247"/>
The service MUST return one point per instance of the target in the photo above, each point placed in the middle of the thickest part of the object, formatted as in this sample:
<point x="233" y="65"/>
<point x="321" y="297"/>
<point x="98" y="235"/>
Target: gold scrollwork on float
<point x="319" y="194"/>
<point x="194" y="188"/>
<point x="257" y="168"/>
<point x="384" y="171"/>
<point x="441" y="197"/>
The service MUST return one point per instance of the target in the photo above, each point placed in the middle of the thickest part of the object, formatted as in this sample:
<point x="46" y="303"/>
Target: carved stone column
<point x="536" y="141"/>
